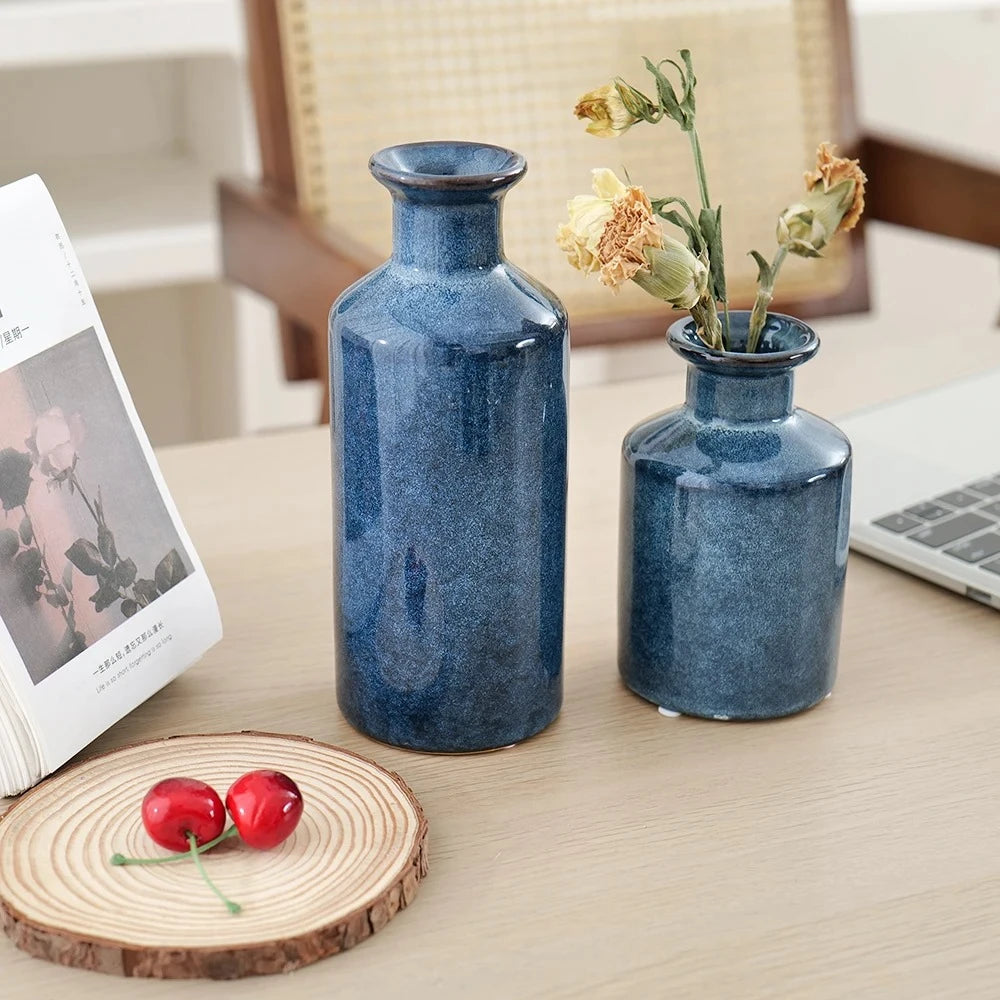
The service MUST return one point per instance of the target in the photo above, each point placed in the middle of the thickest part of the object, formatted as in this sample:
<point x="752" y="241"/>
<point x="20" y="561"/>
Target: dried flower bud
<point x="607" y="110"/>
<point x="834" y="201"/>
<point x="831" y="171"/>
<point x="675" y="274"/>
<point x="807" y="226"/>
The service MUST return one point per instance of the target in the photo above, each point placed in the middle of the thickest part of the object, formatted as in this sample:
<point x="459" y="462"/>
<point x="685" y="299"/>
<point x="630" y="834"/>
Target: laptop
<point x="926" y="486"/>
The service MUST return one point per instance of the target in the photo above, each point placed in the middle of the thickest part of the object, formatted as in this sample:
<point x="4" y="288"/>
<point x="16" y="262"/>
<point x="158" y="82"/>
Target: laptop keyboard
<point x="963" y="523"/>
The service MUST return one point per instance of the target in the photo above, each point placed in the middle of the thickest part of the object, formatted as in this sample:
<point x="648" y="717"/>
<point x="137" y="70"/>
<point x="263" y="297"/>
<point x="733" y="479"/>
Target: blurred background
<point x="132" y="110"/>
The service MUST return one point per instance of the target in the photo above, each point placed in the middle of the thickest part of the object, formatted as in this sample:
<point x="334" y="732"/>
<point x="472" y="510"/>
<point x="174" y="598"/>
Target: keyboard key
<point x="898" y="523"/>
<point x="988" y="487"/>
<point x="929" y="510"/>
<point x="958" y="498"/>
<point x="993" y="566"/>
<point x="942" y="532"/>
<point x="993" y="509"/>
<point x="974" y="549"/>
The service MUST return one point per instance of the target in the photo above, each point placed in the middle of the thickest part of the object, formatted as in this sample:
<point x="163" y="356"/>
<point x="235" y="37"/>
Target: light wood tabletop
<point x="851" y="851"/>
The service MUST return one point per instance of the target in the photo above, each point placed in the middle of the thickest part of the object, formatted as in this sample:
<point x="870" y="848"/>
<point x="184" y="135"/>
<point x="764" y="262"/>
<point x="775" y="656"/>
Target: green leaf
<point x="665" y="93"/>
<point x="763" y="270"/>
<point x="690" y="80"/>
<point x="67" y="577"/>
<point x="129" y="607"/>
<point x="170" y="571"/>
<point x="9" y="544"/>
<point x="106" y="543"/>
<point x="26" y="531"/>
<point x="125" y="573"/>
<point x="694" y="237"/>
<point x="710" y="223"/>
<point x="84" y="555"/>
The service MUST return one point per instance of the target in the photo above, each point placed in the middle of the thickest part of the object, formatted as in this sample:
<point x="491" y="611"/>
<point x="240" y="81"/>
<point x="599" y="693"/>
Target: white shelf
<point x="138" y="221"/>
<point x="40" y="32"/>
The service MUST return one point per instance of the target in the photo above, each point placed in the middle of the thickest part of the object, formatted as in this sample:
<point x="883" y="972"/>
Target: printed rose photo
<point x="86" y="541"/>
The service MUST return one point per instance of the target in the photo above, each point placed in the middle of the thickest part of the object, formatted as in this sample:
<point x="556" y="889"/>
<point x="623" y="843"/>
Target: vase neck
<point x="740" y="398"/>
<point x="444" y="236"/>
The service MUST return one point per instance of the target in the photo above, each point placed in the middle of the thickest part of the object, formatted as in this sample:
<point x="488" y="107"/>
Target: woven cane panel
<point x="363" y="74"/>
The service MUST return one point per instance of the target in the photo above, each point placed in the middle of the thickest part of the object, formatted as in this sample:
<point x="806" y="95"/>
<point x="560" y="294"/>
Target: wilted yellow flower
<point x="834" y="201"/>
<point x="606" y="111"/>
<point x="631" y="229"/>
<point x="588" y="215"/>
<point x="614" y="231"/>
<point x="831" y="171"/>
<point x="675" y="274"/>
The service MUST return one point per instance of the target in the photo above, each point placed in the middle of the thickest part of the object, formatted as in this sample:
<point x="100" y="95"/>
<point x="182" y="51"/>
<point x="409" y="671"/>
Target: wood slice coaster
<point x="354" y="861"/>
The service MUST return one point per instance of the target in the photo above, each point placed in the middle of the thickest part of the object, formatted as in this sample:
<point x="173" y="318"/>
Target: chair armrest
<point x="920" y="189"/>
<point x="273" y="248"/>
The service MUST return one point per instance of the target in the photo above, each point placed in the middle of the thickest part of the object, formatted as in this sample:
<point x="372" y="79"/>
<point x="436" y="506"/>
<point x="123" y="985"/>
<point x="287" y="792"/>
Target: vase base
<point x="442" y="753"/>
<point x="505" y="741"/>
<point x="675" y="709"/>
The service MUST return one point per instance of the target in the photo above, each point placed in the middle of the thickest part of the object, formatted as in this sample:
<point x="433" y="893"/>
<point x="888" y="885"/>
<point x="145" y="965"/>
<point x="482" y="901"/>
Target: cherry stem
<point x="121" y="859"/>
<point x="233" y="908"/>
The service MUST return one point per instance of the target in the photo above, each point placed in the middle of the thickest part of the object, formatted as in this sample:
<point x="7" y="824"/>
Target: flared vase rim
<point x="404" y="166"/>
<point x="802" y="339"/>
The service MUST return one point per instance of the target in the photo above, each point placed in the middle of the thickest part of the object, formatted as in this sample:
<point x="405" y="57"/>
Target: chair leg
<point x="298" y="350"/>
<point x="304" y="351"/>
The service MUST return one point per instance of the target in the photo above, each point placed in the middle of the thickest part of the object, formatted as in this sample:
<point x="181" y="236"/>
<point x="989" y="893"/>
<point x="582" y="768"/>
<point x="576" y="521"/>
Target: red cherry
<point x="266" y="806"/>
<point x="175" y="807"/>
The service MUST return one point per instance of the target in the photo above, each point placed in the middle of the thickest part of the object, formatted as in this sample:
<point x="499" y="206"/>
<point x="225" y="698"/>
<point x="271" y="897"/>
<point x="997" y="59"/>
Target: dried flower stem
<point x="699" y="167"/>
<point x="707" y="317"/>
<point x="706" y="203"/>
<point x="765" y="292"/>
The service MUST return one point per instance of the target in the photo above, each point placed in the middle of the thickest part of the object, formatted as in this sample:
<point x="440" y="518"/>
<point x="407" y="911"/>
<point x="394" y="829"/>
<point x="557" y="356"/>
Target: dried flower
<point x="588" y="215"/>
<point x="834" y="201"/>
<point x="630" y="231"/>
<point x="832" y="170"/>
<point x="607" y="111"/>
<point x="614" y="231"/>
<point x="675" y="274"/>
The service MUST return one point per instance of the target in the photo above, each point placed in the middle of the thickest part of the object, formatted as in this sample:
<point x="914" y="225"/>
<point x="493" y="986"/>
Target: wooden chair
<point x="334" y="81"/>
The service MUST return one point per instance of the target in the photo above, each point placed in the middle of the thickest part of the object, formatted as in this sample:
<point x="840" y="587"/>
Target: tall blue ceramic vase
<point x="448" y="419"/>
<point x="735" y="515"/>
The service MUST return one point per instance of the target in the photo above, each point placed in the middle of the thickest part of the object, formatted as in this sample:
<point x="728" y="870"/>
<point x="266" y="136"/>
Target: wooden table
<point x="853" y="851"/>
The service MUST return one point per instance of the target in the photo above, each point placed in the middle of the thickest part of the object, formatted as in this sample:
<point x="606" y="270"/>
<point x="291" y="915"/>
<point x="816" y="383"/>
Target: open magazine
<point x="103" y="599"/>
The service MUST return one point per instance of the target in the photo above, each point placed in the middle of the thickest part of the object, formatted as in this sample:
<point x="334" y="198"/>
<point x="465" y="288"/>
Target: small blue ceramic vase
<point x="734" y="533"/>
<point x="448" y="418"/>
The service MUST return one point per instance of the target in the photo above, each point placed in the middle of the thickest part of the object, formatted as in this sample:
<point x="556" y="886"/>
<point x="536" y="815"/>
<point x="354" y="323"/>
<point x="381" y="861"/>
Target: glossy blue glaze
<point x="448" y="387"/>
<point x="734" y="534"/>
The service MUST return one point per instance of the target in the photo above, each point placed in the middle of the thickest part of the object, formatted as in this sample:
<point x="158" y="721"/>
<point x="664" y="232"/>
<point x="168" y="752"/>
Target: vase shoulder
<point x="768" y="452"/>
<point x="399" y="304"/>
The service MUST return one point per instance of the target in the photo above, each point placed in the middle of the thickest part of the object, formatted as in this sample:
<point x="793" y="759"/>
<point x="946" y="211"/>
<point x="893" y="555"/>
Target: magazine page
<point x="103" y="599"/>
